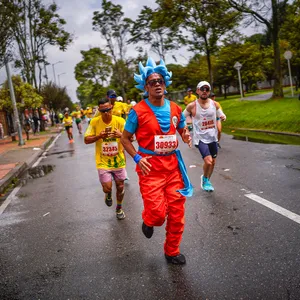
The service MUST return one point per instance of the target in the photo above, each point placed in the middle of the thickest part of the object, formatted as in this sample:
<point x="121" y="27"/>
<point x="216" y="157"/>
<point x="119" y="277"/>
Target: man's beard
<point x="202" y="97"/>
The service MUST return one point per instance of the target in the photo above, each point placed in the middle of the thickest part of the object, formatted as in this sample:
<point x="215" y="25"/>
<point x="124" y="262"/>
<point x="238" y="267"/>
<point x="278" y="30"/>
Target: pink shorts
<point x="106" y="175"/>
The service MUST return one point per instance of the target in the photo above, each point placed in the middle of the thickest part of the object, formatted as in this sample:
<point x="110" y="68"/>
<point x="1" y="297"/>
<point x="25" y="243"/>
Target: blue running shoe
<point x="209" y="186"/>
<point x="206" y="184"/>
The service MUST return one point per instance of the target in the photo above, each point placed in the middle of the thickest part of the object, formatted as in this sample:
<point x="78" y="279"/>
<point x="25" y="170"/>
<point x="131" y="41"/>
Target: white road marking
<point x="16" y="189"/>
<point x="292" y="216"/>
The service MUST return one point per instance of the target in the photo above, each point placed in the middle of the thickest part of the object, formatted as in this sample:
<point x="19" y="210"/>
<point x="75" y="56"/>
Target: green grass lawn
<point x="277" y="115"/>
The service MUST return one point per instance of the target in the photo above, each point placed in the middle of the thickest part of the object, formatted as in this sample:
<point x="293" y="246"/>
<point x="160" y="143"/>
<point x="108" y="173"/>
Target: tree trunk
<point x="277" y="88"/>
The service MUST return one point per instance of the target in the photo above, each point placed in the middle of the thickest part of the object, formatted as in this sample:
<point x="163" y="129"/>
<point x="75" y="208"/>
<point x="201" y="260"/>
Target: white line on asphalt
<point x="292" y="216"/>
<point x="45" y="152"/>
<point x="16" y="189"/>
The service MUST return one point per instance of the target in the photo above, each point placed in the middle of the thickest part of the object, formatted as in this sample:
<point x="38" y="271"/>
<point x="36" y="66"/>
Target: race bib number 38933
<point x="165" y="143"/>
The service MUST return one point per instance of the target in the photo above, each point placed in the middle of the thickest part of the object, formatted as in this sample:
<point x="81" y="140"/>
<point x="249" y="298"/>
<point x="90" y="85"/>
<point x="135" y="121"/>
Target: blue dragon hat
<point x="149" y="69"/>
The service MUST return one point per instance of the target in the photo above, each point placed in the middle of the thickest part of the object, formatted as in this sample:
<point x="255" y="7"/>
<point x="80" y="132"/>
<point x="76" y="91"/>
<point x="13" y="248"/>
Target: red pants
<point x="161" y="201"/>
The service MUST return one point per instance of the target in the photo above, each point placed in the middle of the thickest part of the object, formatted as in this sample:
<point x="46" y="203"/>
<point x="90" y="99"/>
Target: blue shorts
<point x="208" y="149"/>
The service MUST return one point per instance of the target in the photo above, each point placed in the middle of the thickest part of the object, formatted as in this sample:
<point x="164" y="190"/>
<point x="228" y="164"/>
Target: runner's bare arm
<point x="141" y="161"/>
<point x="220" y="113"/>
<point x="185" y="135"/>
<point x="94" y="138"/>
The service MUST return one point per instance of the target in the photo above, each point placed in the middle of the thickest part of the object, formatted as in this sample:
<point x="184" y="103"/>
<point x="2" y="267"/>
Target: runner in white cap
<point x="204" y="113"/>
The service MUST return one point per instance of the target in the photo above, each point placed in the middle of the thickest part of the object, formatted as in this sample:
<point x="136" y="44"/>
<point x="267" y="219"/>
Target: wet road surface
<point x="58" y="239"/>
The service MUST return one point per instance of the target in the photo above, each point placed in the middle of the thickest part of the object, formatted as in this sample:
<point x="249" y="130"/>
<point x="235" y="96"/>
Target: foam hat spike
<point x="150" y="68"/>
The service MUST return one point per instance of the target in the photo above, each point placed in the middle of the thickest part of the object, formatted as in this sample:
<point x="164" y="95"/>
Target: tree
<point x="35" y="27"/>
<point x="26" y="95"/>
<point x="256" y="62"/>
<point x="203" y="24"/>
<point x="55" y="98"/>
<point x="6" y="22"/>
<point x="114" y="28"/>
<point x="290" y="32"/>
<point x="257" y="11"/>
<point x="95" y="67"/>
<point x="151" y="29"/>
<point x="89" y="93"/>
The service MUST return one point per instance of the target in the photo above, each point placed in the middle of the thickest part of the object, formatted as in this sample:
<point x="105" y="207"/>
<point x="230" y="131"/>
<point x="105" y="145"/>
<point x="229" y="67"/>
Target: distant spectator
<point x="27" y="123"/>
<point x="1" y="131"/>
<point x="36" y="122"/>
<point x="190" y="97"/>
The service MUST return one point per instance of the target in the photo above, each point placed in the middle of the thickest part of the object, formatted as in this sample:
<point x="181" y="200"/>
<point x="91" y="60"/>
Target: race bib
<point x="207" y="124"/>
<point x="110" y="148"/>
<point x="165" y="143"/>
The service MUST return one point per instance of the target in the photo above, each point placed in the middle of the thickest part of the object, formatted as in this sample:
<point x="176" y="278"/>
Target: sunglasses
<point x="153" y="82"/>
<point x="206" y="89"/>
<point x="112" y="97"/>
<point x="105" y="110"/>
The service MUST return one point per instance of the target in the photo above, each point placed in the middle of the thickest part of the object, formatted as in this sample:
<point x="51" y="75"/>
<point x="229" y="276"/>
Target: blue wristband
<point x="137" y="158"/>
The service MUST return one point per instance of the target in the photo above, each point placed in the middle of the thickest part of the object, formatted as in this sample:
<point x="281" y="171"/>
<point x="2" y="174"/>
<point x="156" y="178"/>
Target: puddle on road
<point x="262" y="137"/>
<point x="36" y="172"/>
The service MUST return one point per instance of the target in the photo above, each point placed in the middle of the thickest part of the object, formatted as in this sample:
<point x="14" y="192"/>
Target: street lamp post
<point x="13" y="100"/>
<point x="59" y="78"/>
<point x="54" y="76"/>
<point x="238" y="66"/>
<point x="288" y="55"/>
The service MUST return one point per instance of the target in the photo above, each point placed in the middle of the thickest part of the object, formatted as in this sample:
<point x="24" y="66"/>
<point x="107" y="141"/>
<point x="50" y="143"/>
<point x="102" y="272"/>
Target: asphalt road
<point x="58" y="239"/>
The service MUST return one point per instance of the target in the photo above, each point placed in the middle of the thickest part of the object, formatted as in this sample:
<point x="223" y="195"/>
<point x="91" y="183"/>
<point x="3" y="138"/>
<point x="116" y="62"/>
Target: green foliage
<point x="35" y="26"/>
<point x="203" y="24"/>
<point x="255" y="61"/>
<point x="151" y="28"/>
<point x="114" y="28"/>
<point x="6" y="22"/>
<point x="55" y="97"/>
<point x="26" y="95"/>
<point x="95" y="67"/>
<point x="89" y="93"/>
<point x="290" y="31"/>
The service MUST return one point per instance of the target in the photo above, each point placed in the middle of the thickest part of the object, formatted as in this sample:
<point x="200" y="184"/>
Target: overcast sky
<point x="79" y="14"/>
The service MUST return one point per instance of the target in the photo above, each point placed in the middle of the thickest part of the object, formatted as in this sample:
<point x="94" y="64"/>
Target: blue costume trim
<point x="188" y="189"/>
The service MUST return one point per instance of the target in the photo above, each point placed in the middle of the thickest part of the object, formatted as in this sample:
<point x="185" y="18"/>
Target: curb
<point x="265" y="131"/>
<point x="20" y="169"/>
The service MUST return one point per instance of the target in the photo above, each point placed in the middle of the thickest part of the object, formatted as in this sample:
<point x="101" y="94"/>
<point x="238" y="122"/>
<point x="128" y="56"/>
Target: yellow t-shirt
<point x="76" y="114"/>
<point x="109" y="153"/>
<point x="119" y="109"/>
<point x="188" y="99"/>
<point x="68" y="121"/>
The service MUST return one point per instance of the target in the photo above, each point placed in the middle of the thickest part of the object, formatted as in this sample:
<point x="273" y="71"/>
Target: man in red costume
<point x="162" y="175"/>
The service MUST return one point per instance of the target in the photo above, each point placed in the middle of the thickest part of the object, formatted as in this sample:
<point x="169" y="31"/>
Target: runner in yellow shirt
<point x="68" y="122"/>
<point x="77" y="115"/>
<point x="119" y="108"/>
<point x="106" y="130"/>
<point x="189" y="97"/>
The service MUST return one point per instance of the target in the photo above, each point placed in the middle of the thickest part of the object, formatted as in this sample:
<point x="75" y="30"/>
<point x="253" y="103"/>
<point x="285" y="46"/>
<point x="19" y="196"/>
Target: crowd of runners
<point x="148" y="131"/>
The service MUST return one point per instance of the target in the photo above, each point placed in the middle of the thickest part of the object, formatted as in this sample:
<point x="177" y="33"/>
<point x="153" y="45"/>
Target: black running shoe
<point x="176" y="260"/>
<point x="108" y="201"/>
<point x="147" y="230"/>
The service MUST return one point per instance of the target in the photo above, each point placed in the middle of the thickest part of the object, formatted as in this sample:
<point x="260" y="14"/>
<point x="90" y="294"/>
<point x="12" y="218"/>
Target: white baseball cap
<point x="120" y="98"/>
<point x="203" y="83"/>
